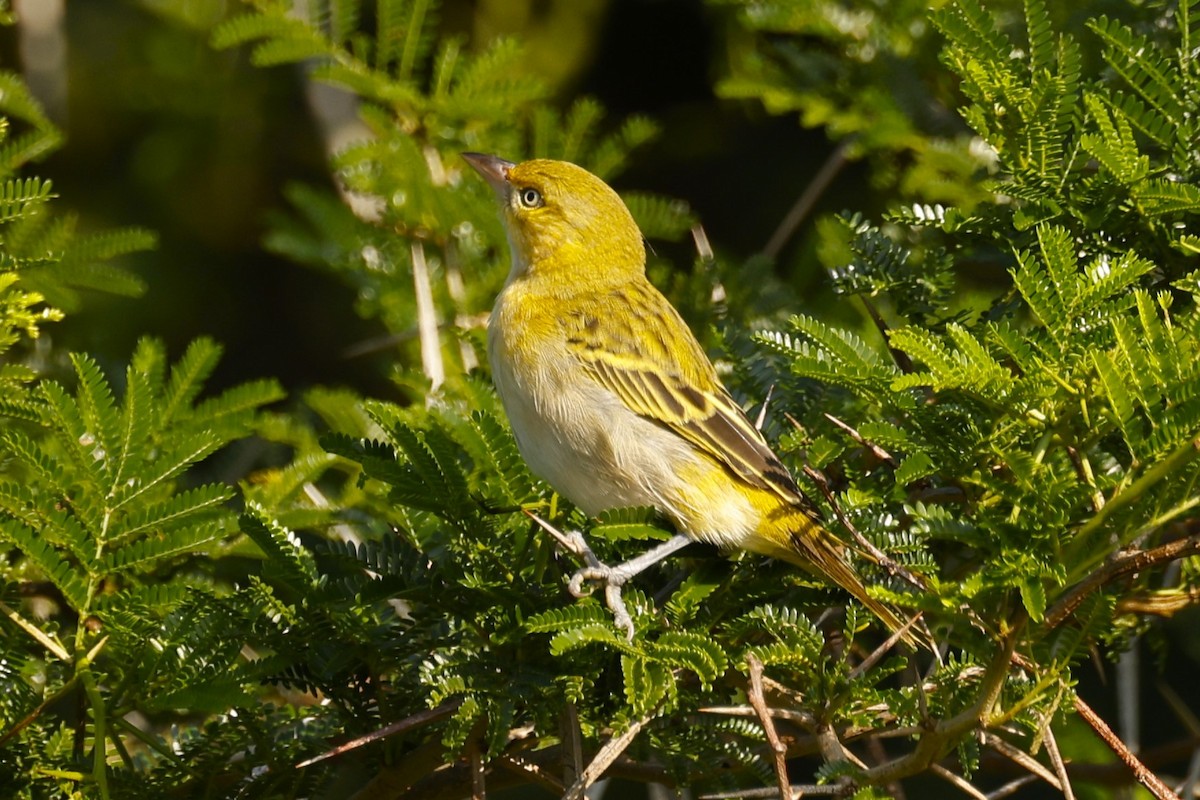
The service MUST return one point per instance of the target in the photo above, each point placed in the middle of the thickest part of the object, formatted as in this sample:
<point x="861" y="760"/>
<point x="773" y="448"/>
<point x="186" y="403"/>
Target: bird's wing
<point x="641" y="353"/>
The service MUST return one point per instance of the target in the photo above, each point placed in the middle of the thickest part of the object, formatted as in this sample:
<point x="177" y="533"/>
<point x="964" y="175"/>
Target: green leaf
<point x="1033" y="595"/>
<point x="647" y="683"/>
<point x="915" y="466"/>
<point x="700" y="654"/>
<point x="624" y="524"/>
<point x="290" y="560"/>
<point x="64" y="575"/>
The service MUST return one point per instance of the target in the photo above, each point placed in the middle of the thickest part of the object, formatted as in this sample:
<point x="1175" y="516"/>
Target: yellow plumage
<point x="610" y="396"/>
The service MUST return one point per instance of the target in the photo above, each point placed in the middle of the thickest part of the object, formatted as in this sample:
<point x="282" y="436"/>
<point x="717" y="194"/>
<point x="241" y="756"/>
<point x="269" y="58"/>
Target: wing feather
<point x="668" y="378"/>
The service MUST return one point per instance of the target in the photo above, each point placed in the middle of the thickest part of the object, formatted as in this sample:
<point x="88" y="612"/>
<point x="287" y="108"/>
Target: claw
<point x="616" y="604"/>
<point x="613" y="578"/>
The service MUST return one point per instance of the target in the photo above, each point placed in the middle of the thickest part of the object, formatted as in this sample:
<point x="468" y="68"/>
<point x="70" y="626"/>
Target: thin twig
<point x="1022" y="758"/>
<point x="1011" y="787"/>
<point x="876" y="450"/>
<point x="899" y="356"/>
<point x="534" y="771"/>
<point x="408" y="723"/>
<point x="609" y="753"/>
<point x="62" y="692"/>
<point x="1056" y="759"/>
<point x="427" y="324"/>
<point x="457" y="290"/>
<point x="572" y="745"/>
<point x="957" y="781"/>
<point x="1159" y="603"/>
<point x="930" y="744"/>
<point x="812" y="193"/>
<point x="762" y="412"/>
<point x="704" y="250"/>
<point x="573" y="543"/>
<point x="880" y="557"/>
<point x="810" y="789"/>
<point x="1118" y="567"/>
<point x="1140" y="771"/>
<point x="44" y="639"/>
<point x="803" y="718"/>
<point x="478" y="786"/>
<point x="759" y="703"/>
<point x="832" y="749"/>
<point x="887" y="645"/>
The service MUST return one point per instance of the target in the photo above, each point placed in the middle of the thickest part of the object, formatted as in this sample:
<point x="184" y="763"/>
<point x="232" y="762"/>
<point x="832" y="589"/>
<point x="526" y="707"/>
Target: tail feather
<point x="824" y="555"/>
<point x="811" y="546"/>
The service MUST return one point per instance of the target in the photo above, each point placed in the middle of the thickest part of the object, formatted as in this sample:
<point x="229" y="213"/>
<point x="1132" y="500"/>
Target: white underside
<point x="594" y="451"/>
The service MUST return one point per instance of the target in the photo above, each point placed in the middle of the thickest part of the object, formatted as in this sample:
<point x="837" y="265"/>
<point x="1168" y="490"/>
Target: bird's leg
<point x="614" y="578"/>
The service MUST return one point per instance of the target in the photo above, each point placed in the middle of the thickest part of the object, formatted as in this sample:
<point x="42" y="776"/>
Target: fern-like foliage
<point x="101" y="511"/>
<point x="1022" y="454"/>
<point x="1071" y="151"/>
<point x="1029" y="439"/>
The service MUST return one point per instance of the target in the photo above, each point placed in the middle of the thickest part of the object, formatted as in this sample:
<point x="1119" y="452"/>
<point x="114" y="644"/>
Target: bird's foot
<point x="612" y="578"/>
<point x="596" y="570"/>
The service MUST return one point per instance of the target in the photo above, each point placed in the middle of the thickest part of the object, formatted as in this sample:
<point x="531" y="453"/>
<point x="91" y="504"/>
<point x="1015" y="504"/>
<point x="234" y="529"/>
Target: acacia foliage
<point x="1011" y="451"/>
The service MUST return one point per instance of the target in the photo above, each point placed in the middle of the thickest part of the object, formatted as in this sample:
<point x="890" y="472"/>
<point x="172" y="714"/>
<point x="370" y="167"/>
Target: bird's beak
<point x="493" y="169"/>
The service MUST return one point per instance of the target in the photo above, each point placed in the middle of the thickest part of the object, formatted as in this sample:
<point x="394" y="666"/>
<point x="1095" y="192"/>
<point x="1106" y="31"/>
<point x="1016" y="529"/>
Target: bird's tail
<point x="803" y="541"/>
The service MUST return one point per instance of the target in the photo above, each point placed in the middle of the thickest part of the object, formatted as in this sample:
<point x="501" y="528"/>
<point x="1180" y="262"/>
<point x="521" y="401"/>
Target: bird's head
<point x="563" y="221"/>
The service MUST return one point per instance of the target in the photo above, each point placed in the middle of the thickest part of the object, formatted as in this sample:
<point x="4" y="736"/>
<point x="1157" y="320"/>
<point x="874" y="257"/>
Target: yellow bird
<point x="611" y="398"/>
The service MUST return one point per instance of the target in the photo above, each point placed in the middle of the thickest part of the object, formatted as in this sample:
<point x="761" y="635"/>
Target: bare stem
<point x="1140" y="771"/>
<point x="759" y="703"/>
<point x="1118" y="567"/>
<point x="609" y="753"/>
<point x="812" y="193"/>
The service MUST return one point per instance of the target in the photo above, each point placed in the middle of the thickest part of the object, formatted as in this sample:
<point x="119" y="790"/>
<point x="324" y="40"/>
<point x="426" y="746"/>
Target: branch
<point x="1119" y="567"/>
<point x="1060" y="766"/>
<point x="811" y="789"/>
<point x="408" y="723"/>
<point x="903" y="362"/>
<point x="1140" y="771"/>
<point x="1011" y="787"/>
<point x="958" y="781"/>
<point x="1022" y="758"/>
<point x="609" y="753"/>
<point x="876" y="450"/>
<point x="804" y="204"/>
<point x="778" y="749"/>
<point x="934" y="740"/>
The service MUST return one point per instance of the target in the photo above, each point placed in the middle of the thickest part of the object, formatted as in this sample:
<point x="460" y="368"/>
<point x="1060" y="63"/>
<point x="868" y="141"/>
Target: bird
<point x="613" y="401"/>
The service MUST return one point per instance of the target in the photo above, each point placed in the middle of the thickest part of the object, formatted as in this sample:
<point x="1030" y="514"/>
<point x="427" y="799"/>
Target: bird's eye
<point x="530" y="197"/>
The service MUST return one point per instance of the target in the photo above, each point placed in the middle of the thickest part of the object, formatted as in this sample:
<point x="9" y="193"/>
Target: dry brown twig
<point x="1125" y="564"/>
<point x="876" y="450"/>
<point x="607" y="754"/>
<point x="417" y="720"/>
<point x="958" y="781"/>
<point x="1021" y="758"/>
<point x="1056" y="759"/>
<point x="759" y="703"/>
